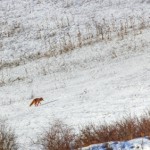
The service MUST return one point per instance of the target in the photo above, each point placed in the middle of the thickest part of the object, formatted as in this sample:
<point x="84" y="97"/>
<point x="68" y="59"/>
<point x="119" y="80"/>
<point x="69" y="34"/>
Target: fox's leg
<point x="38" y="103"/>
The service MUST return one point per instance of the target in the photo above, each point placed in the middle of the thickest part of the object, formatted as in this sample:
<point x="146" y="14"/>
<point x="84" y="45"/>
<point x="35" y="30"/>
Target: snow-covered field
<point x="99" y="80"/>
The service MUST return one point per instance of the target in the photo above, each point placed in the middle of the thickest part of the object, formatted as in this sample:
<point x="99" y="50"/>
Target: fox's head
<point x="41" y="99"/>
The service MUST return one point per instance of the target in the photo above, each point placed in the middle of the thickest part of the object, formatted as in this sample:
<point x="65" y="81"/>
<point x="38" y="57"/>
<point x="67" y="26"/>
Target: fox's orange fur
<point x="36" y="101"/>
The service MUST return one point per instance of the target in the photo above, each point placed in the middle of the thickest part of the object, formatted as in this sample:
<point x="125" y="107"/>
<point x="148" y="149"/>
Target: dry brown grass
<point x="61" y="137"/>
<point x="7" y="137"/>
<point x="58" y="137"/>
<point x="126" y="129"/>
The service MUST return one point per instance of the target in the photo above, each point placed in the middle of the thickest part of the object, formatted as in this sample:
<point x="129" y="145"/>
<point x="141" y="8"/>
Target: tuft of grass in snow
<point x="58" y="137"/>
<point x="7" y="137"/>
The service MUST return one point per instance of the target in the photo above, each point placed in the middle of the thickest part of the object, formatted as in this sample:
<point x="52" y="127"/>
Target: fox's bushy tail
<point x="32" y="103"/>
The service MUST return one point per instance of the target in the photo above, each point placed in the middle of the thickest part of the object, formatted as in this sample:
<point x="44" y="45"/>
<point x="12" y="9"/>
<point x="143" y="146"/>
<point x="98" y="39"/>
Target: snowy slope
<point x="78" y="93"/>
<point x="28" y="27"/>
<point x="101" y="81"/>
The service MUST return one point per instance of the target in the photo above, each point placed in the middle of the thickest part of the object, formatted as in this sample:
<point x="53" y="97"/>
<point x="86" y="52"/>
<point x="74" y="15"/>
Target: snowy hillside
<point x="88" y="59"/>
<point x="33" y="29"/>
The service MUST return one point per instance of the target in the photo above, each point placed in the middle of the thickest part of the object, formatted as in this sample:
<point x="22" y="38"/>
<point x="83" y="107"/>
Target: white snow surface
<point x="135" y="144"/>
<point x="103" y="81"/>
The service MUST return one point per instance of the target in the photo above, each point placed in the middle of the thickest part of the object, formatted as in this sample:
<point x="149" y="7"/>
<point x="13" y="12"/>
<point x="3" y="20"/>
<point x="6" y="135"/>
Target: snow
<point x="99" y="82"/>
<point x="140" y="144"/>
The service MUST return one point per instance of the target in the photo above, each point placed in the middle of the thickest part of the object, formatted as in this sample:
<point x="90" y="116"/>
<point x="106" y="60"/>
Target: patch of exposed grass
<point x="62" y="137"/>
<point x="7" y="137"/>
<point x="58" y="137"/>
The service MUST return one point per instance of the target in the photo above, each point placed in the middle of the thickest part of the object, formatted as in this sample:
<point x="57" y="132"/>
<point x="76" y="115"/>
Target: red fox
<point x="36" y="101"/>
